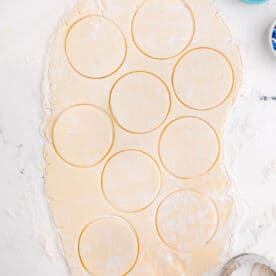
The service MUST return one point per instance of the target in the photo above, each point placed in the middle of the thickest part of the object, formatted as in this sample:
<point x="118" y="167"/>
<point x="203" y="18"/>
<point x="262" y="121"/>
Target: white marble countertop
<point x="28" y="244"/>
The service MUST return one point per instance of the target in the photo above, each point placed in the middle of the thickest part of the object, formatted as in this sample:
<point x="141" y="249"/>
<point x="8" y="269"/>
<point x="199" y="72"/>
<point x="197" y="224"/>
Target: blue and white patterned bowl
<point x="272" y="37"/>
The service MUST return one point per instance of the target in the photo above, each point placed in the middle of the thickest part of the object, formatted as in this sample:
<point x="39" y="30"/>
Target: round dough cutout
<point x="188" y="147"/>
<point x="83" y="135"/>
<point x="186" y="221"/>
<point x="162" y="29"/>
<point x="203" y="78"/>
<point x="140" y="102"/>
<point x="95" y="47"/>
<point x="131" y="180"/>
<point x="108" y="246"/>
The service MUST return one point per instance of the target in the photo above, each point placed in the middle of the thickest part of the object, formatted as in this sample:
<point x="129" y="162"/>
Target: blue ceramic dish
<point x="272" y="37"/>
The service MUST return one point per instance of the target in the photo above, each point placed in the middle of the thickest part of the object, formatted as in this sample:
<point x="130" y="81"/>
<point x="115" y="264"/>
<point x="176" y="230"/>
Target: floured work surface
<point x="139" y="93"/>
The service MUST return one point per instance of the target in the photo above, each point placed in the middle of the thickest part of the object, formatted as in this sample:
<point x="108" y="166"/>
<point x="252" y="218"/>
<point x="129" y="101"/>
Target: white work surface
<point x="28" y="242"/>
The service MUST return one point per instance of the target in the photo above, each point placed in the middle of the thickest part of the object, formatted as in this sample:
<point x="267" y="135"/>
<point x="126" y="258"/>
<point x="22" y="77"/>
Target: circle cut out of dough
<point x="95" y="47"/>
<point x="83" y="135"/>
<point x="188" y="147"/>
<point x="140" y="102"/>
<point x="186" y="220"/>
<point x="131" y="180"/>
<point x="203" y="78"/>
<point x="162" y="29"/>
<point x="108" y="246"/>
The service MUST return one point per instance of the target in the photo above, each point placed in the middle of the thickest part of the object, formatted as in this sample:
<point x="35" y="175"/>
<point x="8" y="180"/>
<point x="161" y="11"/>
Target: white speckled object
<point x="248" y="265"/>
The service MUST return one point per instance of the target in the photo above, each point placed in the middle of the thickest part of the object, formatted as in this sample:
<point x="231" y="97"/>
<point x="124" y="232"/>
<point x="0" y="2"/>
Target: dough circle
<point x="95" y="47"/>
<point x="108" y="246"/>
<point x="131" y="180"/>
<point x="83" y="135"/>
<point x="139" y="102"/>
<point x="203" y="78"/>
<point x="188" y="147"/>
<point x="186" y="220"/>
<point x="162" y="29"/>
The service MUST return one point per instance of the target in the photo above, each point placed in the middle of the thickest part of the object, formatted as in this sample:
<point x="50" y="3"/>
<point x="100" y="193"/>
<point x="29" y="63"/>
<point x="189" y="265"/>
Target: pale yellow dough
<point x="139" y="93"/>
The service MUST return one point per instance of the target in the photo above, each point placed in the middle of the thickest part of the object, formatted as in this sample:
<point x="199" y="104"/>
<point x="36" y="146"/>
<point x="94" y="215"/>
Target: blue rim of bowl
<point x="254" y="1"/>
<point x="272" y="37"/>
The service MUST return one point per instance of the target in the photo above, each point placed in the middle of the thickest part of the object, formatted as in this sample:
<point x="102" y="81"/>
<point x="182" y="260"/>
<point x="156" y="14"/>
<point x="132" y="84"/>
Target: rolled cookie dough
<point x="138" y="93"/>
